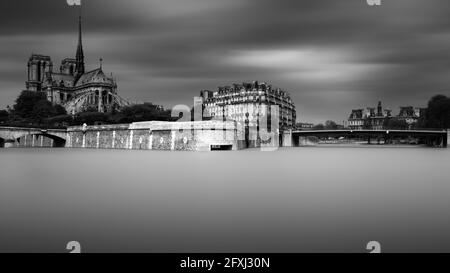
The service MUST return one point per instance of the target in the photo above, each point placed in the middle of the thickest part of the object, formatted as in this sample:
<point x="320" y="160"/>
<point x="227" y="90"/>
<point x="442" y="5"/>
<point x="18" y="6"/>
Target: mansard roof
<point x="356" y="114"/>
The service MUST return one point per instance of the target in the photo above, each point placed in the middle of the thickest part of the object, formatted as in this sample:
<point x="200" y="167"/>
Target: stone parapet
<point x="158" y="135"/>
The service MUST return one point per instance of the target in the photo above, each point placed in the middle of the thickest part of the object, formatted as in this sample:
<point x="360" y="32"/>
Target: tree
<point x="60" y="110"/>
<point x="331" y="125"/>
<point x="143" y="112"/>
<point x="33" y="107"/>
<point x="319" y="127"/>
<point x="26" y="102"/>
<point x="396" y="124"/>
<point x="59" y="121"/>
<point x="90" y="118"/>
<point x="43" y="109"/>
<point x="4" y="116"/>
<point x="438" y="113"/>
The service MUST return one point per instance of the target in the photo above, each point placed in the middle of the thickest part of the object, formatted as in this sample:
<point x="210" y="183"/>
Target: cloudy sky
<point x="331" y="55"/>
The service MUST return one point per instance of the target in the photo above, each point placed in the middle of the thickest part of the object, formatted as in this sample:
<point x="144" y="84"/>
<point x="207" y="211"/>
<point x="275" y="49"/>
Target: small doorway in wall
<point x="221" y="147"/>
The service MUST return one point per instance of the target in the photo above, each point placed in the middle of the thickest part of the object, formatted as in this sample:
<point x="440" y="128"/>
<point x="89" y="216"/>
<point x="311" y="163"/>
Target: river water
<point x="317" y="199"/>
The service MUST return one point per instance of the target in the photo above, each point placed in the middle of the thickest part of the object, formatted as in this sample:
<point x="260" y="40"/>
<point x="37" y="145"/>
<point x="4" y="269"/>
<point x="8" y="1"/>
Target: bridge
<point x="431" y="137"/>
<point x="16" y="134"/>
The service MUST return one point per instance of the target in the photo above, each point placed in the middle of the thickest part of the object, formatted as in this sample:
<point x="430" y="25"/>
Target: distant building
<point x="72" y="87"/>
<point x="377" y="118"/>
<point x="248" y="103"/>
<point x="304" y="126"/>
<point x="370" y="118"/>
<point x="356" y="119"/>
<point x="410" y="114"/>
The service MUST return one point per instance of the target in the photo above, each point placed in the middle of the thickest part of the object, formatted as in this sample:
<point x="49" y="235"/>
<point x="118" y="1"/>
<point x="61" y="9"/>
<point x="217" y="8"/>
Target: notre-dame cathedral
<point x="72" y="87"/>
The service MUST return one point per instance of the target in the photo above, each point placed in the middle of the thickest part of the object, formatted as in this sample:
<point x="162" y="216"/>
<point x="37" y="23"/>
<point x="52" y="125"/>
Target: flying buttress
<point x="80" y="101"/>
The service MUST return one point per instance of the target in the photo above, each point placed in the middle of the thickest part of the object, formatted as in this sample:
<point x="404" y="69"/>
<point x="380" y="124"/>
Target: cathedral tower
<point x="38" y="66"/>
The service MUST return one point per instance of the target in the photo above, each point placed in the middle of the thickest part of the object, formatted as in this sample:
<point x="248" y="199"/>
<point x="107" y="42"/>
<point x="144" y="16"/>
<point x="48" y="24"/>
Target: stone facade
<point x="249" y="103"/>
<point x="155" y="135"/>
<point x="448" y="136"/>
<point x="375" y="118"/>
<point x="287" y="139"/>
<point x="410" y="114"/>
<point x="72" y="87"/>
<point x="370" y="118"/>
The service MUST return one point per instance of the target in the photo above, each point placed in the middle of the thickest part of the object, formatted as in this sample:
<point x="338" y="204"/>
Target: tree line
<point x="32" y="109"/>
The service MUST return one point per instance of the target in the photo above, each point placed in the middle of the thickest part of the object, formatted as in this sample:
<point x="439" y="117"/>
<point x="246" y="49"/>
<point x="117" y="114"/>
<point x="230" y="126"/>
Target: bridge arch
<point x="18" y="135"/>
<point x="58" y="142"/>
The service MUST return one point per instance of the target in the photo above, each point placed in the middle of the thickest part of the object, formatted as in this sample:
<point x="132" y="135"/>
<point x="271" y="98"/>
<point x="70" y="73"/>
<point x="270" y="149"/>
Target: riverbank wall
<point x="448" y="136"/>
<point x="156" y="135"/>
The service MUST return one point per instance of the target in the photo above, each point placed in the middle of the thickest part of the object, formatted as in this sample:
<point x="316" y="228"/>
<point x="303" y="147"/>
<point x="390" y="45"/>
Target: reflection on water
<point x="293" y="200"/>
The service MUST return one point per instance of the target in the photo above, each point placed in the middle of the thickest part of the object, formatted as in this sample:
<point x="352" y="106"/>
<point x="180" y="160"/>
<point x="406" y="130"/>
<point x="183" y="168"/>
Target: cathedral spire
<point x="80" y="54"/>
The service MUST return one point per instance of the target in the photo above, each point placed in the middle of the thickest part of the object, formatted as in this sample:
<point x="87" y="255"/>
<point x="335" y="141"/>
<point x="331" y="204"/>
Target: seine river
<point x="321" y="199"/>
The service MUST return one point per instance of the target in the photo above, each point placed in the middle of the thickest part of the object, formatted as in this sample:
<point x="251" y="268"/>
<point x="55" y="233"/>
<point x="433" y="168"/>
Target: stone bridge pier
<point x="287" y="139"/>
<point x="447" y="141"/>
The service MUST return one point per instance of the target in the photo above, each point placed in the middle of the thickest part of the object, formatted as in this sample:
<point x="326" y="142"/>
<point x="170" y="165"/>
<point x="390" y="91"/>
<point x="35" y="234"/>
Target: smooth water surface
<point x="293" y="200"/>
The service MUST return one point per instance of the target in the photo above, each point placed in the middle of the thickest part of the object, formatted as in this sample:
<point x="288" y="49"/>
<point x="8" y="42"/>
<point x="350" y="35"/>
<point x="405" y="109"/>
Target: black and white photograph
<point x="224" y="126"/>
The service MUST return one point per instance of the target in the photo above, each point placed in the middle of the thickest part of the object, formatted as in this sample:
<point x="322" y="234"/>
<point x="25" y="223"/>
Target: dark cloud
<point x="331" y="55"/>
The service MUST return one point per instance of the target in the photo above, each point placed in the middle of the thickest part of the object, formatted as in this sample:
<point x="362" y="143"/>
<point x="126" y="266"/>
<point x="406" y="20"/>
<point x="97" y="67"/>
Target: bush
<point x="35" y="107"/>
<point x="142" y="112"/>
<point x="59" y="121"/>
<point x="26" y="102"/>
<point x="4" y="116"/>
<point x="90" y="118"/>
<point x="396" y="124"/>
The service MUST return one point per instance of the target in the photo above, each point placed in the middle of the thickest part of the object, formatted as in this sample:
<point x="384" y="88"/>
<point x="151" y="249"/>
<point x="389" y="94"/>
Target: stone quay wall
<point x="448" y="136"/>
<point x="156" y="135"/>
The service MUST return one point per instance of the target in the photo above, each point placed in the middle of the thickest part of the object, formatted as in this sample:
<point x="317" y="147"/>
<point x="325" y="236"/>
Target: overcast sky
<point x="332" y="56"/>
